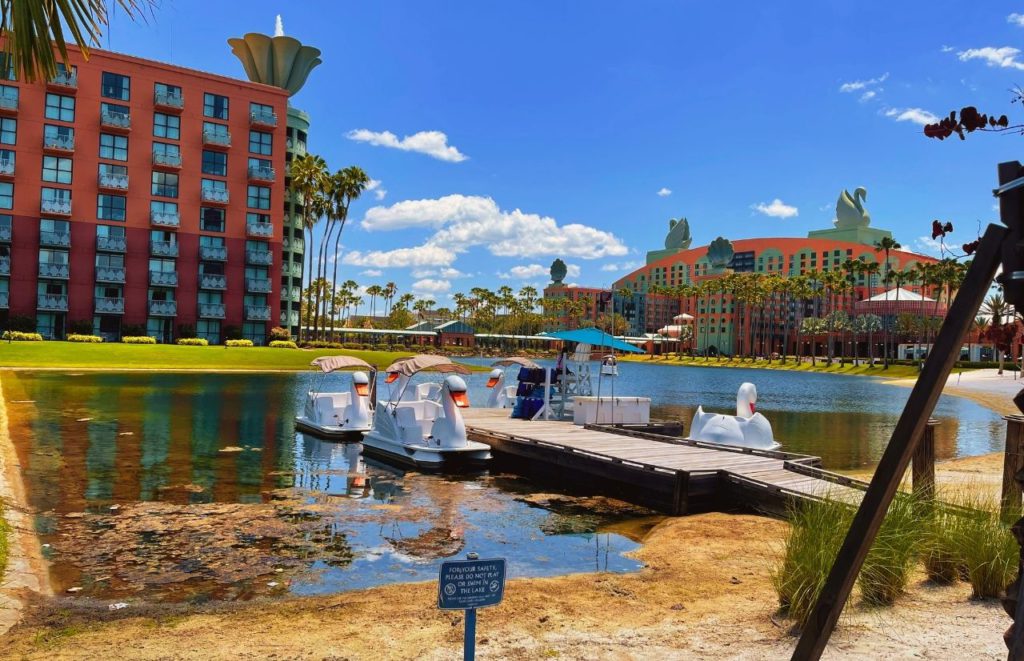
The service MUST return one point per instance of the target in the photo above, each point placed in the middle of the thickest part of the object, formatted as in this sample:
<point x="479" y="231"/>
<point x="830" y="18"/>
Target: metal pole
<point x="469" y="645"/>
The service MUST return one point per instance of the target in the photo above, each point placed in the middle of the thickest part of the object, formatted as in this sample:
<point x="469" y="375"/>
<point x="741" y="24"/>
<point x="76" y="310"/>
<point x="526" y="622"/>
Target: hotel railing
<point x="109" y="305"/>
<point x="52" y="302"/>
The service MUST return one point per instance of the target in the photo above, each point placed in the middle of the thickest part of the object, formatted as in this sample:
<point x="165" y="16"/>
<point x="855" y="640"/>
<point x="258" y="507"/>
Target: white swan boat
<point x="339" y="415"/>
<point x="748" y="428"/>
<point x="502" y="396"/>
<point x="420" y="430"/>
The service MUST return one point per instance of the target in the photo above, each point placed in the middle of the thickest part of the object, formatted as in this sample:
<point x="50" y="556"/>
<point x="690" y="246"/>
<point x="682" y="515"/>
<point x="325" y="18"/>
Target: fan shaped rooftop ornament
<point x="279" y="60"/>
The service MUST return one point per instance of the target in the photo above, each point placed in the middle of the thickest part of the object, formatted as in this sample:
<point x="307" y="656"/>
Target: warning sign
<point x="471" y="584"/>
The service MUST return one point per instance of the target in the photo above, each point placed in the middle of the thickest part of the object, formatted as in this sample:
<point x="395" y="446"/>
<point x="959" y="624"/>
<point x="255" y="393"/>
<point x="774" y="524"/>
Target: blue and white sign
<point x="471" y="583"/>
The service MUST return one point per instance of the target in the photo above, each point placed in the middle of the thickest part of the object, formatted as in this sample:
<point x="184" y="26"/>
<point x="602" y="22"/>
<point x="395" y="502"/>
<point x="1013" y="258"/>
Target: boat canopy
<point x="515" y="360"/>
<point x="594" y="337"/>
<point x="418" y="363"/>
<point x="331" y="363"/>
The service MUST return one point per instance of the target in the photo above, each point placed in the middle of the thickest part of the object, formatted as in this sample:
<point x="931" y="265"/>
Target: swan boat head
<point x="360" y="384"/>
<point x="455" y="389"/>
<point x="746" y="401"/>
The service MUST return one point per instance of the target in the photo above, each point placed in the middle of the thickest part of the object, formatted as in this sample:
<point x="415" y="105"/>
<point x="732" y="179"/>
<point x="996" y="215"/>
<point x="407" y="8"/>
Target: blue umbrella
<point x="595" y="338"/>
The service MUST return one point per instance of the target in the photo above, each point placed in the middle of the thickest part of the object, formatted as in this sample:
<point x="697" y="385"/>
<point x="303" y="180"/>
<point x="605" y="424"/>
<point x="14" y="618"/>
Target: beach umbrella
<point x="594" y="337"/>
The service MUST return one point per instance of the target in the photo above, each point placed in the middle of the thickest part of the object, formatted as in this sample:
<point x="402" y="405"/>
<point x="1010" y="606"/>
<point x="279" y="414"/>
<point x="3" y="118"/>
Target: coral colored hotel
<point x="140" y="194"/>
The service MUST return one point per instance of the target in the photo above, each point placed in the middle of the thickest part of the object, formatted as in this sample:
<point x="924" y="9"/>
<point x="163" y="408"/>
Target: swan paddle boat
<point x="420" y="430"/>
<point x="747" y="429"/>
<point x="339" y="415"/>
<point x="502" y="396"/>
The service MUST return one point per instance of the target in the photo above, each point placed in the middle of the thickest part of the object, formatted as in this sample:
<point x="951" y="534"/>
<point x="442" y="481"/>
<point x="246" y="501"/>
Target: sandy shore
<point x="986" y="387"/>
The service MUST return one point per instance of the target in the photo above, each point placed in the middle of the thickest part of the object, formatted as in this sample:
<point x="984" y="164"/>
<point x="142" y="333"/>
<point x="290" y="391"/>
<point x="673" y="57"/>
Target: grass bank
<point x="113" y="356"/>
<point x="863" y="369"/>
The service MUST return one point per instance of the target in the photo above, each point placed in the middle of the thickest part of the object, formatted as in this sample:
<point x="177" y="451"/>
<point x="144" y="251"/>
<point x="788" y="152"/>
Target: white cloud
<point x="431" y="143"/>
<point x="858" y="85"/>
<point x="447" y="273"/>
<point x="536" y="271"/>
<point x="867" y="96"/>
<point x="430" y="286"/>
<point x="1016" y="19"/>
<point x="776" y="209"/>
<point x="372" y="273"/>
<point x="1005" y="57"/>
<point x="664" y="192"/>
<point x="947" y="49"/>
<point x="375" y="186"/>
<point x="428" y="213"/>
<point x="621" y="266"/>
<point x="928" y="246"/>
<point x="426" y="255"/>
<point x="915" y="115"/>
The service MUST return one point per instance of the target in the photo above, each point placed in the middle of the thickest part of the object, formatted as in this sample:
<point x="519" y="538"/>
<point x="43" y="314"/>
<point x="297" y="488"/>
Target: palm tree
<point x="980" y="326"/>
<point x="424" y="306"/>
<point x="995" y="307"/>
<point x="346" y="187"/>
<point x="390" y="289"/>
<point x="886" y="245"/>
<point x="373" y="291"/>
<point x="308" y="176"/>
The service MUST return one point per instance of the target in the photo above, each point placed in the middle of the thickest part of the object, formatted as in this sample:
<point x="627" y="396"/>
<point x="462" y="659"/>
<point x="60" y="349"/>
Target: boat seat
<point x="415" y="419"/>
<point x="330" y="407"/>
<point x="428" y="391"/>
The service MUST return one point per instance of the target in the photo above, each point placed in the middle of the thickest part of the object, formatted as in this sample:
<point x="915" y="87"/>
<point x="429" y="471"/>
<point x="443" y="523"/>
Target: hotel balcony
<point x="52" y="302"/>
<point x="215" y="195"/>
<point x="5" y="230"/>
<point x="211" y="311"/>
<point x="294" y="245"/>
<point x="296" y="147"/>
<point x="111" y="274"/>
<point x="5" y="265"/>
<point x="163" y="308"/>
<point x="168" y="101"/>
<point x="115" y="182"/>
<point x="53" y="270"/>
<point x="56" y="207"/>
<point x="295" y="270"/>
<point x="213" y="281"/>
<point x="259" y="257"/>
<point x="55" y="239"/>
<point x="259" y="230"/>
<point x="266" y="119"/>
<point x="7" y="168"/>
<point x="8" y="105"/>
<point x="108" y="305"/>
<point x="217" y="139"/>
<point x="166" y="161"/>
<point x="292" y="294"/>
<point x="163" y="248"/>
<point x="163" y="278"/>
<point x="289" y="318"/>
<point x="266" y="175"/>
<point x="257" y="285"/>
<point x="64" y="144"/>
<point x="116" y="121"/>
<point x="64" y="82"/>
<point x="213" y="253"/>
<point x="112" y="243"/>
<point x="165" y="218"/>
<point x="4" y="300"/>
<point x="257" y="313"/>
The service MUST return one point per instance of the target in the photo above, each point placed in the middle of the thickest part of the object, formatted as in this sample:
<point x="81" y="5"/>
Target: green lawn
<point x="894" y="371"/>
<point x="168" y="356"/>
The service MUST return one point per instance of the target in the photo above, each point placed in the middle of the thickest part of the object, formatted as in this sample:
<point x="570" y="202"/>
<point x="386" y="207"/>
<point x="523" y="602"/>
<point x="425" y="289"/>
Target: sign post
<point x="468" y="585"/>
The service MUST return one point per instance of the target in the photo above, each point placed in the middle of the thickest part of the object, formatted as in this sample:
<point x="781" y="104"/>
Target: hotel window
<point x="259" y="109"/>
<point x="113" y="170"/>
<point x="211" y="241"/>
<point x="264" y="164"/>
<point x="261" y="143"/>
<point x="7" y="71"/>
<point x="110" y="231"/>
<point x="166" y="149"/>
<point x="6" y="195"/>
<point x="214" y="184"/>
<point x="215" y="163"/>
<point x="106" y="259"/>
<point x="9" y="92"/>
<point x="215" y="105"/>
<point x="215" y="129"/>
<point x="111" y="207"/>
<point x="165" y="90"/>
<point x="55" y="195"/>
<point x="211" y="268"/>
<point x="254" y="218"/>
<point x="259" y="197"/>
<point x="115" y="86"/>
<point x="159" y="207"/>
<point x="114" y="147"/>
<point x="59" y="107"/>
<point x="211" y="220"/>
<point x="208" y="329"/>
<point x="56" y="169"/>
<point x="166" y="126"/>
<point x="62" y="133"/>
<point x="165" y="184"/>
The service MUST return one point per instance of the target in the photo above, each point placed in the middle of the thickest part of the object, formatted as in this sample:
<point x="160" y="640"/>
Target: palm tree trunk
<point x="334" y="274"/>
<point x="310" y="280"/>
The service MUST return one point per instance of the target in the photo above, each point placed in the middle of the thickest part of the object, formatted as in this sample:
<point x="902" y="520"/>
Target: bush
<point x="192" y="342"/>
<point x="278" y="333"/>
<point x="319" y="344"/>
<point x="238" y="343"/>
<point x="979" y="544"/>
<point x="76" y="337"/>
<point x="22" y="323"/>
<point x="187" y="332"/>
<point x="894" y="554"/>
<point x="19" y="336"/>
<point x="232" y="333"/>
<point x="80" y="327"/>
<point x="283" y="344"/>
<point x="133" y="330"/>
<point x="138" y="339"/>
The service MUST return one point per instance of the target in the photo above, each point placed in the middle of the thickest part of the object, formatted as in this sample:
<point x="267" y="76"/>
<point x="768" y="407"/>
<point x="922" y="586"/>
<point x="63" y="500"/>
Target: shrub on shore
<point x="283" y="344"/>
<point x="138" y="339"/>
<point x="280" y="333"/>
<point x="192" y="342"/>
<point x="20" y="336"/>
<point x="76" y="337"/>
<point x="895" y="553"/>
<point x="238" y="343"/>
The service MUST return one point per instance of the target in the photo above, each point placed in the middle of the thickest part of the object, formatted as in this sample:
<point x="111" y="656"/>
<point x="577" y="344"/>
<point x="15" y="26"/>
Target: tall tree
<point x="346" y="187"/>
<point x="308" y="176"/>
<point x="887" y="245"/>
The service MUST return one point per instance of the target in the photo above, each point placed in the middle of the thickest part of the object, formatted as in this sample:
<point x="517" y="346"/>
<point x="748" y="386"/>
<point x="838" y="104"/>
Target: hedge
<point x="283" y="344"/>
<point x="138" y="339"/>
<point x="192" y="341"/>
<point x="238" y="343"/>
<point x="18" y="336"/>
<point x="78" y="337"/>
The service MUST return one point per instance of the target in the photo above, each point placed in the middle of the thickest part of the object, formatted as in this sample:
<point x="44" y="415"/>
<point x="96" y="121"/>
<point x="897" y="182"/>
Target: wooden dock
<point x="667" y="473"/>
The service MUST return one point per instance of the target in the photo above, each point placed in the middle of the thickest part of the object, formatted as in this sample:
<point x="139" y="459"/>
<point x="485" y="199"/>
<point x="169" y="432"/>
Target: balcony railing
<point x="5" y="265"/>
<point x="109" y="305"/>
<point x="113" y="181"/>
<point x="213" y="253"/>
<point x="289" y="318"/>
<point x="163" y="308"/>
<point x="5" y="233"/>
<point x="211" y="311"/>
<point x="53" y="270"/>
<point x="9" y="104"/>
<point x="5" y="299"/>
<point x="216" y="195"/>
<point x="258" y="285"/>
<point x="163" y="278"/>
<point x="259" y="257"/>
<point x="168" y="100"/>
<point x="165" y="160"/>
<point x="52" y="302"/>
<point x="295" y="270"/>
<point x="216" y="138"/>
<point x="66" y="81"/>
<point x="6" y="167"/>
<point x="297" y="147"/>
<point x="58" y="207"/>
<point x="260" y="230"/>
<point x="112" y="243"/>
<point x="55" y="239"/>
<point x="163" y="248"/>
<point x="113" y="274"/>
<point x="292" y="294"/>
<point x="120" y="121"/>
<point x="213" y="281"/>
<point x="293" y="244"/>
<point x="165" y="218"/>
<point x="59" y="142"/>
<point x="263" y="118"/>
<point x="261" y="174"/>
<point x="257" y="313"/>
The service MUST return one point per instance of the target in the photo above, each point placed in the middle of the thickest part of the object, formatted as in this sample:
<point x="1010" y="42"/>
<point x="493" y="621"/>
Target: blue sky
<point x="547" y="129"/>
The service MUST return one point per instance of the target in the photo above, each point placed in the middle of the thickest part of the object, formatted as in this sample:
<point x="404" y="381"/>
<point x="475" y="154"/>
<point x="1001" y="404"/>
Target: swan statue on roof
<point x="748" y="428"/>
<point x="850" y="211"/>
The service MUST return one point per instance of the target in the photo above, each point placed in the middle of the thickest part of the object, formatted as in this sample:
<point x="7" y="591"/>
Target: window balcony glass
<point x="53" y="270"/>
<point x="118" y="121"/>
<point x="5" y="265"/>
<point x="213" y="281"/>
<point x="4" y="300"/>
<point x="167" y="161"/>
<point x="163" y="308"/>
<point x="216" y="138"/>
<point x="65" y="81"/>
<point x="52" y="302"/>
<point x="112" y="243"/>
<point x="5" y="230"/>
<point x="258" y="285"/>
<point x="257" y="313"/>
<point x="260" y="230"/>
<point x="163" y="248"/>
<point x="259" y="257"/>
<point x="213" y="253"/>
<point x="261" y="174"/>
<point x="112" y="181"/>
<point x="215" y="195"/>
<point x="295" y="270"/>
<point x="165" y="218"/>
<point x="163" y="278"/>
<point x="263" y="118"/>
<point x="293" y="244"/>
<point x="60" y="143"/>
<point x="289" y="318"/>
<point x="57" y="207"/>
<point x="55" y="239"/>
<point x="114" y="274"/>
<point x="8" y="104"/>
<point x="109" y="305"/>
<point x="211" y="311"/>
<point x="297" y="147"/>
<point x="6" y="167"/>
<point x="168" y="100"/>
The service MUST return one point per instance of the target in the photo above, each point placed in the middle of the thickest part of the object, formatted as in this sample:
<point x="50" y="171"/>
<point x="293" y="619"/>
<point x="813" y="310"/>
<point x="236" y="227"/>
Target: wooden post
<point x="923" y="463"/>
<point x="1013" y="461"/>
